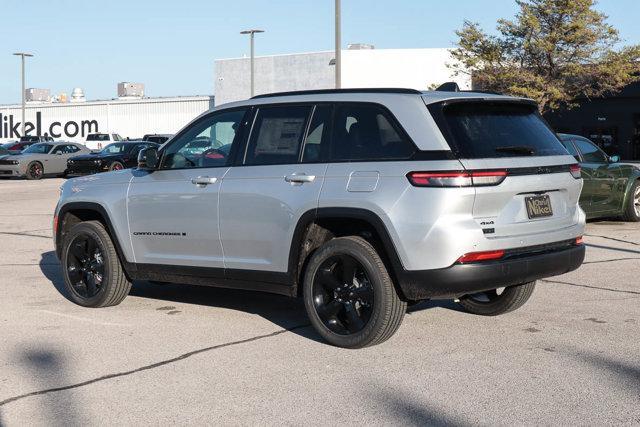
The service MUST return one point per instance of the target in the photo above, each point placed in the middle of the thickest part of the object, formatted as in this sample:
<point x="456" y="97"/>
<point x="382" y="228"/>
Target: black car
<point x="116" y="156"/>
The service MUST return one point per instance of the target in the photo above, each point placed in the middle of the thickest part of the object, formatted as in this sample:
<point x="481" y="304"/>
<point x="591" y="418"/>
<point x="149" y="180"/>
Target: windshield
<point x="38" y="149"/>
<point x="116" y="148"/>
<point x="7" y="145"/>
<point x="497" y="129"/>
<point x="98" y="137"/>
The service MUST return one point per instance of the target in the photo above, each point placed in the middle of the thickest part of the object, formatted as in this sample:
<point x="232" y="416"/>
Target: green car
<point x="611" y="189"/>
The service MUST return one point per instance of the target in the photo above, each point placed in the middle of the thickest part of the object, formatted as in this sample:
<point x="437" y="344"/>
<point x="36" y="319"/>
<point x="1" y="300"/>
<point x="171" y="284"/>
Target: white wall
<point x="130" y="118"/>
<point x="406" y="68"/>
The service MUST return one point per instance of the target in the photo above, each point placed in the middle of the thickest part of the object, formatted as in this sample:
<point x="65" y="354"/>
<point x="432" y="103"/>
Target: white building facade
<point x="131" y="118"/>
<point x="406" y="68"/>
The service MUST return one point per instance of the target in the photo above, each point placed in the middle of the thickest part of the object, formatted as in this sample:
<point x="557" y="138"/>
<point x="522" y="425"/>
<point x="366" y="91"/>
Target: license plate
<point x="538" y="206"/>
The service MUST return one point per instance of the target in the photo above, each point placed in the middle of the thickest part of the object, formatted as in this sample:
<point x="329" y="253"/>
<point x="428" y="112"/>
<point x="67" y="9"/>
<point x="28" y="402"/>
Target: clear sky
<point x="170" y="45"/>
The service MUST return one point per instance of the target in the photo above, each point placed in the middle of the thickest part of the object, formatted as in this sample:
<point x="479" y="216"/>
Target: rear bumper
<point x="462" y="279"/>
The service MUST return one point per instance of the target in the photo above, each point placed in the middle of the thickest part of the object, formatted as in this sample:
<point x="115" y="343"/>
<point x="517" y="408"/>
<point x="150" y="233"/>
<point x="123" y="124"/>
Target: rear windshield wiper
<point x="520" y="149"/>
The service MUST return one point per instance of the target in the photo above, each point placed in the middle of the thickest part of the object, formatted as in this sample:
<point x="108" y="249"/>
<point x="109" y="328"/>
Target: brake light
<point x="456" y="178"/>
<point x="481" y="256"/>
<point x="579" y="240"/>
<point x="575" y="171"/>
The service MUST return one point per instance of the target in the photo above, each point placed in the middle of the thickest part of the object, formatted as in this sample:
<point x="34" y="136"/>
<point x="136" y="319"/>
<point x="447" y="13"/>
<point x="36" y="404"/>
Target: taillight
<point x="55" y="224"/>
<point x="456" y="178"/>
<point x="575" y="171"/>
<point x="481" y="256"/>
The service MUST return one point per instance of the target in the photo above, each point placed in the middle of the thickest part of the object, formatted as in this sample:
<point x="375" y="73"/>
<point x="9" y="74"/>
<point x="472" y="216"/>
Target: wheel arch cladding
<point x="75" y="212"/>
<point x="317" y="226"/>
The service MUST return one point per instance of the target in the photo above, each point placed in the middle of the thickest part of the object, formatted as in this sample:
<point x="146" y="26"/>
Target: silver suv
<point x="359" y="201"/>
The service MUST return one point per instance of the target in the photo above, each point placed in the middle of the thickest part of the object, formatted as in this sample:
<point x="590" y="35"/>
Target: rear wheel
<point x="498" y="301"/>
<point x="632" y="210"/>
<point x="35" y="171"/>
<point x="92" y="272"/>
<point x="349" y="296"/>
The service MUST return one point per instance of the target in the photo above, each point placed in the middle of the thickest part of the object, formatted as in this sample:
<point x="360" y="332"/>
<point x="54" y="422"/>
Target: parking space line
<point x="590" y="287"/>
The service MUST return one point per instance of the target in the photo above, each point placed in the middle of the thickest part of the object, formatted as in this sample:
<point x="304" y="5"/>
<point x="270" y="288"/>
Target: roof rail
<point x="350" y="90"/>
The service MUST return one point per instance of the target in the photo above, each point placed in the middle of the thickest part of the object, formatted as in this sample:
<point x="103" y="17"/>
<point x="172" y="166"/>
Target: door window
<point x="590" y="153"/>
<point x="316" y="143"/>
<point x="367" y="132"/>
<point x="207" y="143"/>
<point x="277" y="135"/>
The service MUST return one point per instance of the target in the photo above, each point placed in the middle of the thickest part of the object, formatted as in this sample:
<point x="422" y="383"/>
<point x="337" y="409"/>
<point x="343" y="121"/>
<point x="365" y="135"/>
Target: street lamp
<point x="338" y="61"/>
<point x="251" y="36"/>
<point x="22" y="55"/>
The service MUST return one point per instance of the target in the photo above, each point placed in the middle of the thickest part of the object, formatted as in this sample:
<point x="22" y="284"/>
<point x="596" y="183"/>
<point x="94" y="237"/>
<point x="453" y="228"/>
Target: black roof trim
<point x="351" y="90"/>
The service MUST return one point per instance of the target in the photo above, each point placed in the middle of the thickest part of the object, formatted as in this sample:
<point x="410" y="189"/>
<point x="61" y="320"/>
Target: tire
<point x="35" y="171"/>
<point x="334" y="307"/>
<point x="492" y="303"/>
<point x="632" y="209"/>
<point x="116" y="166"/>
<point x="93" y="275"/>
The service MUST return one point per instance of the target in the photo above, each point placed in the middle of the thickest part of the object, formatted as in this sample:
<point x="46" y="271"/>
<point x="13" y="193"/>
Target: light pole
<point x="251" y="36"/>
<point x="22" y="55"/>
<point x="338" y="43"/>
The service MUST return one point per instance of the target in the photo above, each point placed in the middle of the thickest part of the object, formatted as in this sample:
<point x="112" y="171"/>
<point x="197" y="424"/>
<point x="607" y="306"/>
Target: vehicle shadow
<point x="283" y="311"/>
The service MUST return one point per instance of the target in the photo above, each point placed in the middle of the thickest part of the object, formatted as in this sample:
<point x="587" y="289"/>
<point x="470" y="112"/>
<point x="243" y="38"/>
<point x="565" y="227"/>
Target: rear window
<point x="491" y="129"/>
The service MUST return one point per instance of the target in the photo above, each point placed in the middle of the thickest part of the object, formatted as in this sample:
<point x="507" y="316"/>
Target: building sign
<point x="10" y="127"/>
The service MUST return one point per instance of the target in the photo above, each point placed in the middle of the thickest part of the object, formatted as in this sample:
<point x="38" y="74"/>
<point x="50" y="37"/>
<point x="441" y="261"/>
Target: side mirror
<point x="614" y="159"/>
<point x="148" y="158"/>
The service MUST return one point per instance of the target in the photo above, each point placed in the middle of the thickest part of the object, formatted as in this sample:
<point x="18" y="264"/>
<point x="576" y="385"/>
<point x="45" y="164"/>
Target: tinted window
<point x="98" y="137"/>
<point x="367" y="132"/>
<point x="481" y="130"/>
<point x="207" y="143"/>
<point x="277" y="135"/>
<point x="570" y="148"/>
<point x="115" y="148"/>
<point x="590" y="153"/>
<point x="316" y="143"/>
<point x="38" y="149"/>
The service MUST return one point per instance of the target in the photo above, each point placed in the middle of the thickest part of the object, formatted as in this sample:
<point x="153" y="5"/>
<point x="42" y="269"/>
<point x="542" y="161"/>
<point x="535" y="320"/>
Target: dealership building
<point x="130" y="117"/>
<point x="362" y="66"/>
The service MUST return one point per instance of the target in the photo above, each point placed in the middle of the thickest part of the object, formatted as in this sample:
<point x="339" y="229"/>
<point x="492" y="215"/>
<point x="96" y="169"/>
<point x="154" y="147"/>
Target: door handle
<point x="299" y="178"/>
<point x="203" y="180"/>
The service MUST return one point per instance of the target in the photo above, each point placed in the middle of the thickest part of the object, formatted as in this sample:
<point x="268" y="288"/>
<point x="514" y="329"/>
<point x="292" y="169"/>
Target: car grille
<point x="6" y="162"/>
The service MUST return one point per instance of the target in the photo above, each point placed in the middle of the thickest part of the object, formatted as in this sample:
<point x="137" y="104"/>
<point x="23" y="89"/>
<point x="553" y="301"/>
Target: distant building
<point x="130" y="90"/>
<point x="37" y="95"/>
<point x="131" y="118"/>
<point x="362" y="66"/>
<point x="612" y="122"/>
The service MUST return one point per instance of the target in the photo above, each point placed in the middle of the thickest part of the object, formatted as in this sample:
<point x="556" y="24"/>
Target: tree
<point x="555" y="51"/>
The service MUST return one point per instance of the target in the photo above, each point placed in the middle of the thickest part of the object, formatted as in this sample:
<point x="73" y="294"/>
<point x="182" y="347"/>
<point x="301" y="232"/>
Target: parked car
<point x="97" y="141"/>
<point x="611" y="188"/>
<point x="41" y="159"/>
<point x="116" y="156"/>
<point x="16" y="147"/>
<point x="158" y="138"/>
<point x="360" y="201"/>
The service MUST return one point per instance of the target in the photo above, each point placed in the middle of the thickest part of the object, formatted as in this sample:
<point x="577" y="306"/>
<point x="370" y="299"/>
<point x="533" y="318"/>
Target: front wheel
<point x="632" y="210"/>
<point x="116" y="166"/>
<point x="349" y="295"/>
<point x="35" y="171"/>
<point x="93" y="276"/>
<point x="498" y="301"/>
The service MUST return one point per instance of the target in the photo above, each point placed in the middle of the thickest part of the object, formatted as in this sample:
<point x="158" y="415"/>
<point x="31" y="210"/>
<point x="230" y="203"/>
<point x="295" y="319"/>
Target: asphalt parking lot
<point x="193" y="355"/>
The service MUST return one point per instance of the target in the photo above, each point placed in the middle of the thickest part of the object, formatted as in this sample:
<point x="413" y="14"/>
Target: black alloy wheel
<point x="93" y="274"/>
<point x="343" y="295"/>
<point x="85" y="266"/>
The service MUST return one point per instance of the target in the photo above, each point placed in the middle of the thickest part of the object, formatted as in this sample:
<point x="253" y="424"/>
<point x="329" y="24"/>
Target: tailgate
<point x="547" y="187"/>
